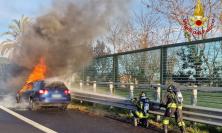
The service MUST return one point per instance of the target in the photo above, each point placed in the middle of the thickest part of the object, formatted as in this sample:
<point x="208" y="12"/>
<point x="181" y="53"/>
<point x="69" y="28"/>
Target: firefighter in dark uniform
<point x="142" y="104"/>
<point x="172" y="101"/>
<point x="141" y="114"/>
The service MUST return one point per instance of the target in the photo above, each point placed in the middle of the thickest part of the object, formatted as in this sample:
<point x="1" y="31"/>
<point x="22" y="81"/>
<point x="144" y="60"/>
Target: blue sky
<point x="14" y="9"/>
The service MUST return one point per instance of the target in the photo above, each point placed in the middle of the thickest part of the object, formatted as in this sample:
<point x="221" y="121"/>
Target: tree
<point x="100" y="68"/>
<point x="186" y="65"/>
<point x="16" y="30"/>
<point x="101" y="49"/>
<point x="221" y="17"/>
<point x="146" y="24"/>
<point x="137" y="33"/>
<point x="113" y="34"/>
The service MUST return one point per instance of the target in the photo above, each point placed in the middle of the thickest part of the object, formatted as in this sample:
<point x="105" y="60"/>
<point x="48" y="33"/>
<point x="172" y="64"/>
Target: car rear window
<point x="56" y="85"/>
<point x="38" y="85"/>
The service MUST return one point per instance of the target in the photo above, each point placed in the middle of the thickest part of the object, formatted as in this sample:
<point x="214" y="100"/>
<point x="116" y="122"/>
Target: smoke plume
<point x="63" y="35"/>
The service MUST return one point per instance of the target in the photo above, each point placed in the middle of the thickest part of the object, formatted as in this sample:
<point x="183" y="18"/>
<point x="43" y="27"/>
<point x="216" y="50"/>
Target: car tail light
<point x="43" y="91"/>
<point x="67" y="92"/>
<point x="46" y="92"/>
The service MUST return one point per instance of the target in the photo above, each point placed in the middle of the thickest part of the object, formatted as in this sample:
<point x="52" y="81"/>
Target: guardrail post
<point x="94" y="90"/>
<point x="157" y="98"/>
<point x="111" y="88"/>
<point x="87" y="80"/>
<point x="131" y="90"/>
<point x="94" y="86"/>
<point x="81" y="84"/>
<point x="194" y="96"/>
<point x="158" y="93"/>
<point x="136" y="83"/>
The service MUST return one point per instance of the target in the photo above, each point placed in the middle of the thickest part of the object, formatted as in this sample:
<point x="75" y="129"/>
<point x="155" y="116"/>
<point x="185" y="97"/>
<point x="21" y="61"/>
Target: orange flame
<point x="38" y="73"/>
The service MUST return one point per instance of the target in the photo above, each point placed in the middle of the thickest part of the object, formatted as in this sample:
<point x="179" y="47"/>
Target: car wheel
<point x="18" y="99"/>
<point x="33" y="105"/>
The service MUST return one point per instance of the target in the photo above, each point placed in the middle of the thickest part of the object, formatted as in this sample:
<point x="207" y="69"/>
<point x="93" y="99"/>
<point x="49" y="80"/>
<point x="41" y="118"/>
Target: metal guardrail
<point x="158" y="88"/>
<point x="191" y="113"/>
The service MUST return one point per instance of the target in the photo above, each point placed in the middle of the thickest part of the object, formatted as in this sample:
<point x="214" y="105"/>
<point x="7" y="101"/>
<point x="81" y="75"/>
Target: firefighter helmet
<point x="171" y="88"/>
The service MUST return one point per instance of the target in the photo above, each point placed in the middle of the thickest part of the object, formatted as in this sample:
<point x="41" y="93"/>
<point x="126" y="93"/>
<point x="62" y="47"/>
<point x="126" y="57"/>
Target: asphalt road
<point x="65" y="122"/>
<point x="10" y="124"/>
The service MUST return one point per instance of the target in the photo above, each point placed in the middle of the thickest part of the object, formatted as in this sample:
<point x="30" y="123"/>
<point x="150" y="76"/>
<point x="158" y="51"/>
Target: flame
<point x="38" y="73"/>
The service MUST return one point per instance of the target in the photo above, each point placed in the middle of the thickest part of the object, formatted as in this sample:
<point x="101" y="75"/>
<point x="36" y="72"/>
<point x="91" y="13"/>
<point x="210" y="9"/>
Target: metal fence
<point x="197" y="63"/>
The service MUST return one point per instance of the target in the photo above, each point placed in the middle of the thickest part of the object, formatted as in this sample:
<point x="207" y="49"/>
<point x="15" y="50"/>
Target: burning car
<point x="45" y="94"/>
<point x="40" y="93"/>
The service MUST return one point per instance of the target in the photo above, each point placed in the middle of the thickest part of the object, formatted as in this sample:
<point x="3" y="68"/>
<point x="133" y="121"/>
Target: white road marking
<point x="29" y="121"/>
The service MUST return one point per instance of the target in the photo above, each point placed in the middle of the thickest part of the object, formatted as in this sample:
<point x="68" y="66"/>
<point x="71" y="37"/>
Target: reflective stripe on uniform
<point x="166" y="121"/>
<point x="139" y="114"/>
<point x="181" y="123"/>
<point x="180" y="107"/>
<point x="174" y="105"/>
<point x="131" y="115"/>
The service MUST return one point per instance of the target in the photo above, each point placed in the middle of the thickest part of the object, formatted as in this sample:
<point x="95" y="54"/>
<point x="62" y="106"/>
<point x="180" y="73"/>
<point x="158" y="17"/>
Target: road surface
<point x="64" y="122"/>
<point x="10" y="124"/>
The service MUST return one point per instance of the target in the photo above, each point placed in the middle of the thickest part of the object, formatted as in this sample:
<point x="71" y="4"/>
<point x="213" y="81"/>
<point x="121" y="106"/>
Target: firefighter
<point x="142" y="103"/>
<point x="141" y="114"/>
<point x="142" y="96"/>
<point x="172" y="101"/>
